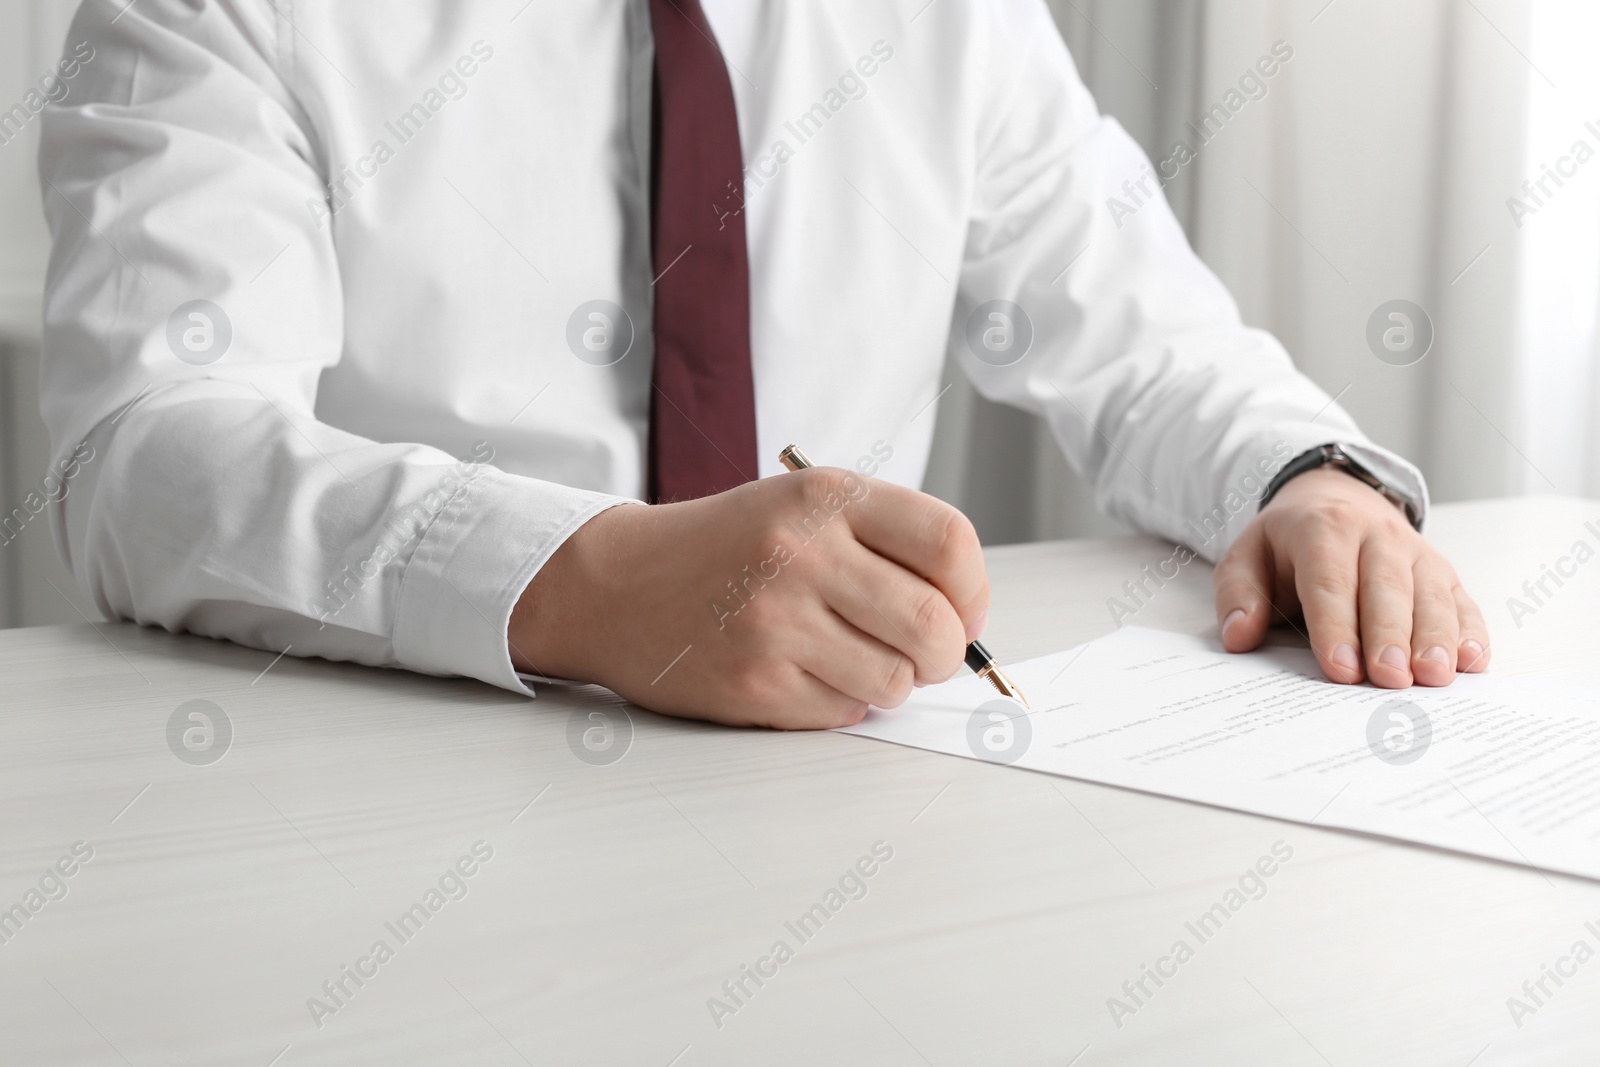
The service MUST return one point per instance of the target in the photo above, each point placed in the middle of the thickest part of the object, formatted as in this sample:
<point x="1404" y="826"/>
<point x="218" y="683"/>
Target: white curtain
<point x="1558" y="394"/>
<point x="31" y="35"/>
<point x="1376" y="168"/>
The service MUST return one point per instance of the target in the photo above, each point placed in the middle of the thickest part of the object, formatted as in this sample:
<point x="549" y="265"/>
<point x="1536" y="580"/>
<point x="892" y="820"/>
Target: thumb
<point x="1243" y="581"/>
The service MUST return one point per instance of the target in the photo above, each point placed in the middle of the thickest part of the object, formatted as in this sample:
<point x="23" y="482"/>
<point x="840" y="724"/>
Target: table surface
<point x="620" y="897"/>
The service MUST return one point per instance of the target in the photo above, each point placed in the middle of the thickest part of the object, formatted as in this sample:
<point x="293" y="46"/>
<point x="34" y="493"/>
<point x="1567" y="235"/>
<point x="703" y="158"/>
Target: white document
<point x="1503" y="767"/>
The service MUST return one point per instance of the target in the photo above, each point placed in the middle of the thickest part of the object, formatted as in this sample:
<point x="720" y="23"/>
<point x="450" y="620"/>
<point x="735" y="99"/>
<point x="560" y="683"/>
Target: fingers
<point x="1243" y="582"/>
<point x="898" y="608"/>
<point x="1385" y="610"/>
<point x="798" y="701"/>
<point x="1435" y="625"/>
<point x="921" y="533"/>
<point x="1379" y="603"/>
<point x="1472" y="655"/>
<point x="1325" y="581"/>
<point x="853" y="663"/>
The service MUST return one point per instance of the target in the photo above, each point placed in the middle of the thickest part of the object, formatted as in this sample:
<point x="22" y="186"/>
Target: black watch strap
<point x="1332" y="454"/>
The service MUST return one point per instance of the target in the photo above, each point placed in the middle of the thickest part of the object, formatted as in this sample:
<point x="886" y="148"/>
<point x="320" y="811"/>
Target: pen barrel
<point x="978" y="657"/>
<point x="794" y="459"/>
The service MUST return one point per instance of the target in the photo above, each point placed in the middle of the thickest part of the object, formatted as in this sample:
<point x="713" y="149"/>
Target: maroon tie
<point x="702" y="406"/>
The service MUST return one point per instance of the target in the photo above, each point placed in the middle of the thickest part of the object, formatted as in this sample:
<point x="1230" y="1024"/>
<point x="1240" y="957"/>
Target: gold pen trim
<point x="1003" y="685"/>
<point x="796" y="460"/>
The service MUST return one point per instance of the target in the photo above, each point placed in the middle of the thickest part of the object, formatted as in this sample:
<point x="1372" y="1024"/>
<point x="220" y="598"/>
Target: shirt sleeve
<point x="191" y="304"/>
<point x="1109" y="326"/>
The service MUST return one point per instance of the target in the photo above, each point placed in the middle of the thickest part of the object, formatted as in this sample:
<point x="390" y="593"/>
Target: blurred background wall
<point x="31" y="36"/>
<point x="1379" y="166"/>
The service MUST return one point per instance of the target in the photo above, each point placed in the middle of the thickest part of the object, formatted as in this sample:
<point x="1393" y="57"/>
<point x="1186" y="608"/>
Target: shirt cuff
<point x="1397" y="474"/>
<point x="471" y="567"/>
<point x="1253" y="468"/>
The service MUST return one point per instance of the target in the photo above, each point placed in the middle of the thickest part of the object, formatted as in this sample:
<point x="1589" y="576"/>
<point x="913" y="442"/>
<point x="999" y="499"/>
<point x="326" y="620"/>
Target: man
<point x="305" y="255"/>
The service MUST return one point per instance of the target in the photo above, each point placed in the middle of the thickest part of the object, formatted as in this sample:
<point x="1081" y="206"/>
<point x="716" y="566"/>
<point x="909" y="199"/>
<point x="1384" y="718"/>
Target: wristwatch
<point x="1324" y="455"/>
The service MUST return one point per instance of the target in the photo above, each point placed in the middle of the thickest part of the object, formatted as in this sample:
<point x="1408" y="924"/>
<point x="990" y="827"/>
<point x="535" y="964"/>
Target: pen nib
<point x="1004" y="686"/>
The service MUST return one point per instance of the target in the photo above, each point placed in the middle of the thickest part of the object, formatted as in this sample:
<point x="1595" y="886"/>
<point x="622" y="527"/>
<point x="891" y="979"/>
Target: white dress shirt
<point x="397" y="399"/>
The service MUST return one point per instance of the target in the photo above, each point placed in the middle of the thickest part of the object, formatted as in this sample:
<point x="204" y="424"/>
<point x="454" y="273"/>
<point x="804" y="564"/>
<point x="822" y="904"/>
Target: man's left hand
<point x="1377" y="601"/>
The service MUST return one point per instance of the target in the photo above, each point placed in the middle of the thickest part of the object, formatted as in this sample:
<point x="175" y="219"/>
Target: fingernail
<point x="1471" y="653"/>
<point x="1394" y="656"/>
<point x="1345" y="656"/>
<point x="975" y="627"/>
<point x="1437" y="655"/>
<point x="1233" y="616"/>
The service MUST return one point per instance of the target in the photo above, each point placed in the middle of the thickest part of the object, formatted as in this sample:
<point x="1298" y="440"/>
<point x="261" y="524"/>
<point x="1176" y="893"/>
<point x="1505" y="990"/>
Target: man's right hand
<point x="793" y="602"/>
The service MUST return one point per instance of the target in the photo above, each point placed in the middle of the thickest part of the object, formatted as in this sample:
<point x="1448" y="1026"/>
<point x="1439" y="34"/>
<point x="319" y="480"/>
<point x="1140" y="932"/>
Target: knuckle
<point x="1395" y="519"/>
<point x="1434" y="570"/>
<point x="899" y="676"/>
<point x="1330" y="582"/>
<point x="823" y="488"/>
<point x="937" y="636"/>
<point x="1316" y="550"/>
<point x="1240" y="589"/>
<point x="1334" y="513"/>
<point x="954" y="538"/>
<point x="928" y="618"/>
<point x="771" y="530"/>
<point x="1435" y="605"/>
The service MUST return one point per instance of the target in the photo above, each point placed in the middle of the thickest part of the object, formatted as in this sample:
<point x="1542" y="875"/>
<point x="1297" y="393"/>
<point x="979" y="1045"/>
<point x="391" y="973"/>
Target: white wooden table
<point x="620" y="897"/>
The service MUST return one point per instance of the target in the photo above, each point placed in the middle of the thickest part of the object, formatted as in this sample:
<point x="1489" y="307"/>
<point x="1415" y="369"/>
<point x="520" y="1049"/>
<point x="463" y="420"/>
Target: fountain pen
<point x="978" y="658"/>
